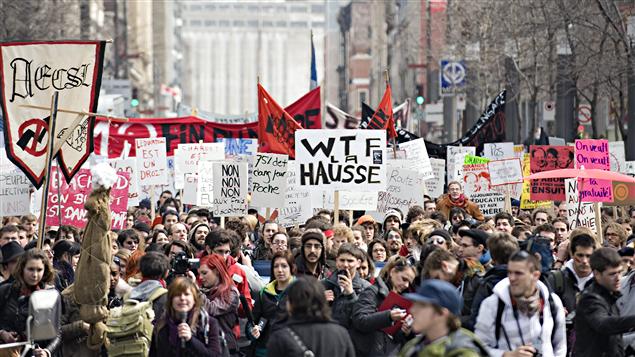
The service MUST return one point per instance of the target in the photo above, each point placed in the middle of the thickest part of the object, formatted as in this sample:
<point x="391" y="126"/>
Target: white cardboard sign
<point x="297" y="204"/>
<point x="436" y="184"/>
<point x="230" y="188"/>
<point x="417" y="155"/>
<point x="269" y="181"/>
<point x="498" y="151"/>
<point x="405" y="189"/>
<point x="586" y="217"/>
<point x="503" y="172"/>
<point x="151" y="161"/>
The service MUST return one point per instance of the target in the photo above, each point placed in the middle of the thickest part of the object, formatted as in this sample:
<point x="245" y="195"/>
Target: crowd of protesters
<point x="437" y="280"/>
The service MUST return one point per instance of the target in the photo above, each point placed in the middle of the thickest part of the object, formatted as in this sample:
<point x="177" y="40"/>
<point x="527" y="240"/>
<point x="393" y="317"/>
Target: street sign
<point x="452" y="77"/>
<point x="584" y="113"/>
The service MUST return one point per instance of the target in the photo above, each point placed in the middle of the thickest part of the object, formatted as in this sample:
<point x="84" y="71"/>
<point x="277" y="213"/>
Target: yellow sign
<point x="525" y="202"/>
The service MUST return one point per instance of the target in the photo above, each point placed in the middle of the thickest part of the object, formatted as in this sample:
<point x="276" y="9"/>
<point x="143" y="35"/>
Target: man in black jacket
<point x="598" y="324"/>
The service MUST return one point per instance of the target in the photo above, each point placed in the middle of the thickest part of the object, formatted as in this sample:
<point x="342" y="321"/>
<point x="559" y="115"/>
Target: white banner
<point x="341" y="159"/>
<point x="269" y="182"/>
<point x="14" y="193"/>
<point x="151" y="161"/>
<point x="230" y="188"/>
<point x="30" y="74"/>
<point x="354" y="200"/>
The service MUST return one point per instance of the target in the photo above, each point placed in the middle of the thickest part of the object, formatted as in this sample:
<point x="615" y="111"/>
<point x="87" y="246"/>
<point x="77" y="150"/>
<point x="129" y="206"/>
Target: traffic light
<point x="420" y="98"/>
<point x="134" y="100"/>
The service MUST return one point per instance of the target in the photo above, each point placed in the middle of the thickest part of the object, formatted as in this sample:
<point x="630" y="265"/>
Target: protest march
<point x="304" y="231"/>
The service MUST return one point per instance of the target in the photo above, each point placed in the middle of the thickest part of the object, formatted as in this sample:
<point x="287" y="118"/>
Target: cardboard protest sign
<point x="352" y="200"/>
<point x="472" y="160"/>
<point x="151" y="161"/>
<point x="617" y="156"/>
<point x="405" y="188"/>
<point x="547" y="158"/>
<point x="630" y="168"/>
<point x="66" y="200"/>
<point x="623" y="194"/>
<point x="594" y="154"/>
<point x="297" y="204"/>
<point x="519" y="151"/>
<point x="29" y="74"/>
<point x="130" y="167"/>
<point x="478" y="188"/>
<point x="504" y="172"/>
<point x="436" y="184"/>
<point x="15" y="196"/>
<point x="586" y="216"/>
<point x="498" y="151"/>
<point x="230" y="188"/>
<point x="189" y="189"/>
<point x="525" y="201"/>
<point x="417" y="154"/>
<point x="456" y="157"/>
<point x="269" y="182"/>
<point x="556" y="141"/>
<point x="188" y="155"/>
<point x="341" y="159"/>
<point x="235" y="147"/>
<point x="205" y="184"/>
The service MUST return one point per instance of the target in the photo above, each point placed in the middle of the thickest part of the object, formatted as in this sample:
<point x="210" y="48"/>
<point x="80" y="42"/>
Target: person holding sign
<point x="456" y="198"/>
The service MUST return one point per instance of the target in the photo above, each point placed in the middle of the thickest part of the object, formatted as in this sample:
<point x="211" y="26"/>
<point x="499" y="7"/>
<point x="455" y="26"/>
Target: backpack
<point x="558" y="281"/>
<point x="129" y="327"/>
<point x="499" y="315"/>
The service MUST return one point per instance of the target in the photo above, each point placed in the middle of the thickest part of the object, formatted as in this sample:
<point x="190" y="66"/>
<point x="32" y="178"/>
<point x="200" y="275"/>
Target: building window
<point x="317" y="8"/>
<point x="210" y="23"/>
<point x="267" y="23"/>
<point x="281" y="24"/>
<point x="223" y="7"/>
<point x="224" y="23"/>
<point x="196" y="7"/>
<point x="239" y="23"/>
<point x="252" y="23"/>
<point x="195" y="23"/>
<point x="253" y="8"/>
<point x="362" y="97"/>
<point x="298" y="8"/>
<point x="317" y="24"/>
<point x="208" y="7"/>
<point x="299" y="24"/>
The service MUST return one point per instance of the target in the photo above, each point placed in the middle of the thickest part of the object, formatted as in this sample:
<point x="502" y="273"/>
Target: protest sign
<point x="630" y="168"/>
<point x="436" y="184"/>
<point x="525" y="201"/>
<point x="129" y="166"/>
<point x="235" y="146"/>
<point x="503" y="172"/>
<point x="405" y="188"/>
<point x="456" y="157"/>
<point x="352" y="200"/>
<point x="187" y="156"/>
<point x="623" y="194"/>
<point x="417" y="155"/>
<point x="584" y="216"/>
<point x="29" y="75"/>
<point x="341" y="159"/>
<point x="189" y="189"/>
<point x="594" y="154"/>
<point x="66" y="200"/>
<point x="151" y="161"/>
<point x="519" y="151"/>
<point x="297" y="204"/>
<point x="552" y="140"/>
<point x="268" y="180"/>
<point x="14" y="193"/>
<point x="547" y="158"/>
<point x="617" y="156"/>
<point x="230" y="188"/>
<point x="472" y="160"/>
<point x="498" y="151"/>
<point x="205" y="184"/>
<point x="478" y="188"/>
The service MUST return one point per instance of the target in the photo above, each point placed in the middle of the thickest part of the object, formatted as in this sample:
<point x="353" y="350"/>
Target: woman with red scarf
<point x="455" y="198"/>
<point x="33" y="272"/>
<point x="220" y="298"/>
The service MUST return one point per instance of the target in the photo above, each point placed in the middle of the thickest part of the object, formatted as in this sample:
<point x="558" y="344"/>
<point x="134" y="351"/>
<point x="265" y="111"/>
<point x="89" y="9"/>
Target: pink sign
<point x="593" y="154"/>
<point x="66" y="200"/>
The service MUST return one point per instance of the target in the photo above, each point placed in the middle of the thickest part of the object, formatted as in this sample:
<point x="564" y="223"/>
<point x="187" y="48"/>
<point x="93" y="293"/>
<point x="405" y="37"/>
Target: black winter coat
<point x="342" y="306"/>
<point x="484" y="289"/>
<point x="598" y="324"/>
<point x="271" y="306"/>
<point x="367" y="334"/>
<point x="569" y="291"/>
<point x="198" y="345"/>
<point x="323" y="338"/>
<point x="14" y="311"/>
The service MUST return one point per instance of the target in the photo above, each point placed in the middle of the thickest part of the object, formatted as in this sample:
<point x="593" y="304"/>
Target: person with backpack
<point x="309" y="330"/>
<point x="270" y="307"/>
<point x="598" y="324"/>
<point x="185" y="329"/>
<point x="527" y="319"/>
<point x="145" y="303"/>
<point x="435" y="320"/>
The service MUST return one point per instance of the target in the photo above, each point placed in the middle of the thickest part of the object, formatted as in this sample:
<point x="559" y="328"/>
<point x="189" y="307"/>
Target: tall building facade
<point x="229" y="45"/>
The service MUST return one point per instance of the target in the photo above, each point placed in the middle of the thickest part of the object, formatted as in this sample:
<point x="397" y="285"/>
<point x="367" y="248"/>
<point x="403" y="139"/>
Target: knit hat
<point x="366" y="219"/>
<point x="392" y="213"/>
<point x="313" y="235"/>
<point x="11" y="251"/>
<point x="441" y="232"/>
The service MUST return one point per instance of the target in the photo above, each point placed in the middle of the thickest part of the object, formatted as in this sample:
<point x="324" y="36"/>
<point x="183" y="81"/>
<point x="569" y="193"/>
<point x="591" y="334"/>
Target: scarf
<point x="459" y="202"/>
<point x="529" y="305"/>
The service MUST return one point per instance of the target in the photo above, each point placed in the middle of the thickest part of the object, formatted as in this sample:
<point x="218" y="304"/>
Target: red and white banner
<point x="30" y="72"/>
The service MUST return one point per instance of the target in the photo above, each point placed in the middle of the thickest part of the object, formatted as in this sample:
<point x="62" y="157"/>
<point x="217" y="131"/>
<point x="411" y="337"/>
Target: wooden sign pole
<point x="336" y="208"/>
<point x="598" y="221"/>
<point x="47" y="170"/>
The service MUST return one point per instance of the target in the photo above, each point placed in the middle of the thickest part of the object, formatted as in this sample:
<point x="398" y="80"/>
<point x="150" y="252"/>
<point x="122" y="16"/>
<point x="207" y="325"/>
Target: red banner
<point x="306" y="110"/>
<point x="547" y="158"/>
<point x="111" y="140"/>
<point x="276" y="128"/>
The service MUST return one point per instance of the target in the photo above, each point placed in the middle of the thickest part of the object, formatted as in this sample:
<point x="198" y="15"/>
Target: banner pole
<point x="222" y="222"/>
<point x="267" y="213"/>
<point x="508" y="200"/>
<point x="336" y="208"/>
<point x="598" y="222"/>
<point x="47" y="170"/>
<point x="152" y="204"/>
<point x="350" y="218"/>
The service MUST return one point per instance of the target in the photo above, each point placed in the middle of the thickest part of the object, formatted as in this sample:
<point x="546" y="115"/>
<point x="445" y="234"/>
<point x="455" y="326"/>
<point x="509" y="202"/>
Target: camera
<point x="181" y="264"/>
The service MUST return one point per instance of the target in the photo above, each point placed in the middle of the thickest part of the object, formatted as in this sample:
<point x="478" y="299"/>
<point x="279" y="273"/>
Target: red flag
<point x="383" y="117"/>
<point x="276" y="128"/>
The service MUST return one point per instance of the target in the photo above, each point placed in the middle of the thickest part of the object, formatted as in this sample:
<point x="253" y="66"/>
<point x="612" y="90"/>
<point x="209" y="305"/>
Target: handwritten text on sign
<point x="417" y="154"/>
<point x="67" y="200"/>
<point x="579" y="215"/>
<point x="205" y="184"/>
<point x="14" y="193"/>
<point x="594" y="154"/>
<point x="269" y="181"/>
<point x="341" y="159"/>
<point x="503" y="172"/>
<point x="230" y="188"/>
<point x="129" y="166"/>
<point x="435" y="185"/>
<point x="404" y="190"/>
<point x="151" y="161"/>
<point x="297" y="204"/>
